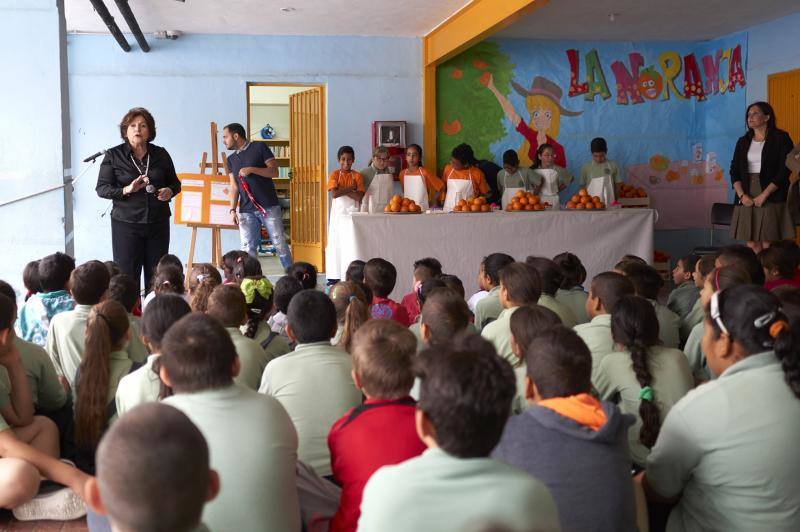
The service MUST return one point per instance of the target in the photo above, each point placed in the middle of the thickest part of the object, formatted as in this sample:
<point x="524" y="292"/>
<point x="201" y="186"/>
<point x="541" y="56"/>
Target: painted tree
<point x="466" y="111"/>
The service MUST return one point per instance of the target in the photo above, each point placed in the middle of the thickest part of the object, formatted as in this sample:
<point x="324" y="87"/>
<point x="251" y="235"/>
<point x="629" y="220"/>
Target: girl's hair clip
<point x="778" y="327"/>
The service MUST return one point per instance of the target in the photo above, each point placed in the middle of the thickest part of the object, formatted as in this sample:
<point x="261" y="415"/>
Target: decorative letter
<point x="627" y="82"/>
<point x="671" y="67"/>
<point x="711" y="70"/>
<point x="595" y="78"/>
<point x="735" y="72"/>
<point x="692" y="82"/>
<point x="574" y="72"/>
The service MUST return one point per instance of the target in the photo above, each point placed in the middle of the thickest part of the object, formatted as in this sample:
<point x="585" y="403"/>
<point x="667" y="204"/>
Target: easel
<point x="216" y="233"/>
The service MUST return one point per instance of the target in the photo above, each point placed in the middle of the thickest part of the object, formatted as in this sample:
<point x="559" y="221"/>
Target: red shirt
<point x="366" y="438"/>
<point x="384" y="308"/>
<point x="771" y="285"/>
<point x="560" y="158"/>
<point x="411" y="304"/>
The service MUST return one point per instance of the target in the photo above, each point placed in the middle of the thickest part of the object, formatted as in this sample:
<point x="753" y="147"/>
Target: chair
<point x="721" y="214"/>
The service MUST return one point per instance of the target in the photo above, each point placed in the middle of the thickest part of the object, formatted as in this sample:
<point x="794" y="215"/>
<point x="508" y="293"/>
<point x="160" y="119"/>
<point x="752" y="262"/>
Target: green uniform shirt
<point x="415" y="329"/>
<point x="562" y="311"/>
<point x="597" y="336"/>
<point x="119" y="366"/>
<point x="252" y="358"/>
<point x="276" y="347"/>
<point x="575" y="299"/>
<point x="591" y="170"/>
<point x="522" y="178"/>
<point x="669" y="325"/>
<point x="314" y="385"/>
<point x="729" y="449"/>
<point x="139" y="386"/>
<point x="499" y="333"/>
<point x="695" y="316"/>
<point x="681" y="300"/>
<point x="369" y="173"/>
<point x="616" y="381"/>
<point x="488" y="308"/>
<point x="46" y="391"/>
<point x="136" y="348"/>
<point x="563" y="176"/>
<point x="437" y="491"/>
<point x="253" y="447"/>
<point x="3" y="424"/>
<point x="694" y="354"/>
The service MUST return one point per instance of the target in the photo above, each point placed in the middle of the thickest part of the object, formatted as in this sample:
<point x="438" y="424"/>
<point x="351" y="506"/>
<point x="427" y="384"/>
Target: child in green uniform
<point x="489" y="308"/>
<point x="125" y="290"/>
<point x="571" y="291"/>
<point x="512" y="176"/>
<point x="551" y="277"/>
<point x="258" y="295"/>
<point x="526" y="323"/>
<point x="726" y="455"/>
<point x="607" y="288"/>
<point x="648" y="282"/>
<point x="703" y="267"/>
<point x="600" y="165"/>
<point x="645" y="379"/>
<point x="519" y="285"/>
<point x="683" y="296"/>
<point x="545" y="160"/>
<point x="352" y="311"/>
<point x="444" y="315"/>
<point x="424" y="290"/>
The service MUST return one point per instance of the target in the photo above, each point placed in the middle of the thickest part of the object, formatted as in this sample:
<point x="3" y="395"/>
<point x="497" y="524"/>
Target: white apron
<point x="603" y="187"/>
<point x="508" y="193"/>
<point x="333" y="249"/>
<point x="378" y="194"/>
<point x="414" y="188"/>
<point x="549" y="193"/>
<point x="457" y="189"/>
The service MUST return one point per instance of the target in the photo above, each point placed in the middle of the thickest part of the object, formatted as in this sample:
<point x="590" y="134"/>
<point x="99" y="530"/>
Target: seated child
<point x="251" y="440"/>
<point x="30" y="279"/>
<point x="745" y="258"/>
<point x="607" y="288"/>
<point x="519" y="285"/>
<point x="53" y="273"/>
<point x="382" y="430"/>
<point x="571" y="291"/>
<point x="285" y="289"/>
<point x="352" y="311"/>
<point x="228" y="306"/>
<point x="143" y="385"/>
<point x="444" y="315"/>
<point x="46" y="391"/>
<point x="66" y="342"/>
<point x="780" y="266"/>
<point x="462" y="179"/>
<point x="355" y="272"/>
<point x="114" y="269"/>
<point x="203" y="279"/>
<point x="513" y="178"/>
<point x="569" y="440"/>
<point x="465" y="400"/>
<point x="422" y="186"/>
<point x="174" y="279"/>
<point x="600" y="165"/>
<point x="730" y="463"/>
<point x="229" y="260"/>
<point x="647" y="282"/>
<point x="258" y="295"/>
<point x="304" y="272"/>
<point x="696" y="316"/>
<point x="644" y="378"/>
<point x="248" y="266"/>
<point x="424" y="290"/>
<point x="313" y="382"/>
<point x="424" y="269"/>
<point x="527" y="322"/>
<point x="380" y="276"/>
<point x="346" y="187"/>
<point x="682" y="298"/>
<point x="718" y="279"/>
<point x="551" y="278"/>
<point x="489" y="308"/>
<point x="103" y="365"/>
<point x="123" y="289"/>
<point x="153" y="472"/>
<point x="453" y="283"/>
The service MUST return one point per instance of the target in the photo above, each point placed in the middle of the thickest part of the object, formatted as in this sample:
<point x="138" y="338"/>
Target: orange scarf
<point x="582" y="408"/>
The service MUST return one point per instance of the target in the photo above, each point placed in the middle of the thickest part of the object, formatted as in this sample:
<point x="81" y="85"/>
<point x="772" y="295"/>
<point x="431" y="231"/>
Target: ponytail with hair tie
<point x="778" y="327"/>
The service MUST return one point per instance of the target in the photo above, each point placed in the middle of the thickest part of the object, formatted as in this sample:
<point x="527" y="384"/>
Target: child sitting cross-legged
<point x="571" y="292"/>
<point x="683" y="296"/>
<point x="52" y="275"/>
<point x="381" y="431"/>
<point x="489" y="307"/>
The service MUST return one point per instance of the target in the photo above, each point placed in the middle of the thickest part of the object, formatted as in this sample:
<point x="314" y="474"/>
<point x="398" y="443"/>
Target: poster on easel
<point x="204" y="201"/>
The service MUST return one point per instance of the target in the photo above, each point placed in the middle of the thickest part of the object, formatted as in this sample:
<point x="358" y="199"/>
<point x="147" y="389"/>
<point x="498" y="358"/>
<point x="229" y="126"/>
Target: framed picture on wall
<point x="389" y="133"/>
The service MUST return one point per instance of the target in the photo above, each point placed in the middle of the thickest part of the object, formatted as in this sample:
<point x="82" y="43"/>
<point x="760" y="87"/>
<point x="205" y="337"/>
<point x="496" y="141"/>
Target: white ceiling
<point x="646" y="20"/>
<point x="396" y="18"/>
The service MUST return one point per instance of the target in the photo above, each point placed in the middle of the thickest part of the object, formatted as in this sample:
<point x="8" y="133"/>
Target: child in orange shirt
<point x="347" y="188"/>
<point x="462" y="178"/>
<point x="421" y="186"/>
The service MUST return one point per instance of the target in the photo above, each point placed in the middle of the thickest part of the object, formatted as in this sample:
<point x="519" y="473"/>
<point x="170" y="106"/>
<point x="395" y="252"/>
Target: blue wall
<point x="201" y="78"/>
<point x="773" y="49"/>
<point x="31" y="134"/>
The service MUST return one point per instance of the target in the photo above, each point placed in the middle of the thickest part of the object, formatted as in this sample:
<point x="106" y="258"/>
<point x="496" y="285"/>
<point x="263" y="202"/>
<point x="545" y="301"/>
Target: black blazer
<point x="777" y="146"/>
<point x="117" y="171"/>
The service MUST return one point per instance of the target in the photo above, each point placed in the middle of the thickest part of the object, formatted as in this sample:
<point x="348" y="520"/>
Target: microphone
<point x="95" y="156"/>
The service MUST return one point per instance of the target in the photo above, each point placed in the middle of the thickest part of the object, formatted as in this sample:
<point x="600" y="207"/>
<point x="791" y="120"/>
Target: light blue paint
<point x="201" y="78"/>
<point x="773" y="49"/>
<point x="30" y="136"/>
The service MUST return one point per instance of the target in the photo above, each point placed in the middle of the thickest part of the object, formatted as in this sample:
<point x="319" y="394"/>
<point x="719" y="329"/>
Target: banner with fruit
<point x="670" y="112"/>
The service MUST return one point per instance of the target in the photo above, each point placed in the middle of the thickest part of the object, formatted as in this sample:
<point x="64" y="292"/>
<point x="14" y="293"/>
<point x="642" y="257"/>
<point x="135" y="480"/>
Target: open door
<point x="308" y="184"/>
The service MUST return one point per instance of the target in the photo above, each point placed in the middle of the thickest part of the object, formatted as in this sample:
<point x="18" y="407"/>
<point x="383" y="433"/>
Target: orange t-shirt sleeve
<point x="445" y="173"/>
<point x="481" y="183"/>
<point x="359" y="182"/>
<point x="401" y="178"/>
<point x="433" y="181"/>
<point x="333" y="181"/>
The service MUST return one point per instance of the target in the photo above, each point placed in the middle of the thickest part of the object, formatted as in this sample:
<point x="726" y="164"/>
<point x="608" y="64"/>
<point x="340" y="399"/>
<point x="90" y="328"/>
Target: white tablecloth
<point x="460" y="241"/>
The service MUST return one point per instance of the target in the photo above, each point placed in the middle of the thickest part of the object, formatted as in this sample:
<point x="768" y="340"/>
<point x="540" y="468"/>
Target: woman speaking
<point x="140" y="179"/>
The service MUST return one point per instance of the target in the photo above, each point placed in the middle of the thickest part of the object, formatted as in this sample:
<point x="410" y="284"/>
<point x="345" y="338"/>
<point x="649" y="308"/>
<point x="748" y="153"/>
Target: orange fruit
<point x="596" y="199"/>
<point x="404" y="208"/>
<point x="475" y="208"/>
<point x="580" y="206"/>
<point x="388" y="208"/>
<point x="405" y="201"/>
<point x="461" y="203"/>
<point x="538" y="207"/>
<point x="485" y="208"/>
<point x="529" y="207"/>
<point x="570" y="204"/>
<point x="395" y="207"/>
<point x="534" y="199"/>
<point x="589" y="205"/>
<point x="397" y="198"/>
<point x="602" y="205"/>
<point x="583" y="192"/>
<point x="523" y="201"/>
<point x="576" y="198"/>
<point x="519" y="193"/>
<point x="585" y="200"/>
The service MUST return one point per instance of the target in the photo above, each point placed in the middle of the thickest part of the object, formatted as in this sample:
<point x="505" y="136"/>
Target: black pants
<point x="138" y="246"/>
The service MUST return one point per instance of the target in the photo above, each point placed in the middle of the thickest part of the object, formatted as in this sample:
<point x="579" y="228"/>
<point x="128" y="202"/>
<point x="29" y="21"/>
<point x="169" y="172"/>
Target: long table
<point x="461" y="240"/>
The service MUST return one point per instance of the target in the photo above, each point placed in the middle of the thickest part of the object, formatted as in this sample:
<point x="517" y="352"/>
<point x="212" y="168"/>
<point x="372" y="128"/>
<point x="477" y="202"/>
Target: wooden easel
<point x="216" y="233"/>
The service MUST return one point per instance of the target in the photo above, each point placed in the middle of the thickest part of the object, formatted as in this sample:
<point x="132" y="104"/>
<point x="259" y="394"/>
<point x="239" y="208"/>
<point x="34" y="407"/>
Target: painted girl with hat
<point x="543" y="103"/>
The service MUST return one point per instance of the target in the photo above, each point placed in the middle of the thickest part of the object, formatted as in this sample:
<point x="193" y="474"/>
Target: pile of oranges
<point x="525" y="201"/>
<point x="400" y="204"/>
<point x="582" y="200"/>
<point x="472" y="204"/>
<point x="629" y="191"/>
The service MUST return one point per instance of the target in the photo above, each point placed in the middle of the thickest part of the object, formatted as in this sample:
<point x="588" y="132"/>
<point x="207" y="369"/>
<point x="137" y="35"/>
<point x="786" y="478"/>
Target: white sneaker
<point x="59" y="505"/>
